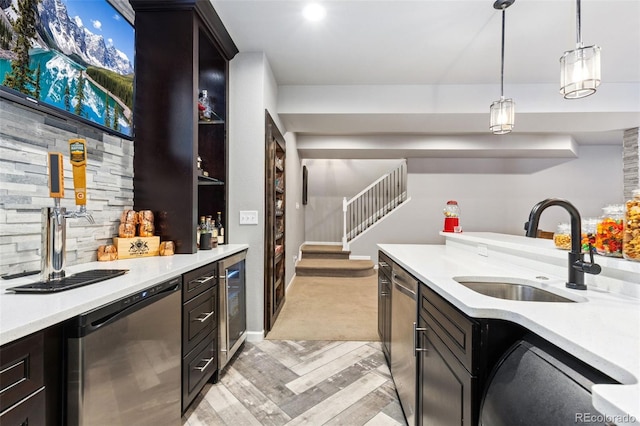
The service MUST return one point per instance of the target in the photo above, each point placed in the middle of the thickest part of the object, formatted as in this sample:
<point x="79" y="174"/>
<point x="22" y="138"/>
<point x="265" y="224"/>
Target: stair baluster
<point x="373" y="203"/>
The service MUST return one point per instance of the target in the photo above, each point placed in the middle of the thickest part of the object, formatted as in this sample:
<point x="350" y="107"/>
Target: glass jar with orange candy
<point x="589" y="227"/>
<point x="609" y="231"/>
<point x="631" y="243"/>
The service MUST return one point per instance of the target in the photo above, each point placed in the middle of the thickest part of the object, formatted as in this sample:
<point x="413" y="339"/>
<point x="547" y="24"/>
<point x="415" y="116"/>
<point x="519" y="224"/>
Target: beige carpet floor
<point x="329" y="308"/>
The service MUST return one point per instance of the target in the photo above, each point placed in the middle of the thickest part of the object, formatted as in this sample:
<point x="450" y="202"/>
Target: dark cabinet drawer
<point x="30" y="411"/>
<point x="446" y="388"/>
<point x="21" y="369"/>
<point x="199" y="280"/>
<point x="197" y="367"/>
<point x="455" y="329"/>
<point x="199" y="318"/>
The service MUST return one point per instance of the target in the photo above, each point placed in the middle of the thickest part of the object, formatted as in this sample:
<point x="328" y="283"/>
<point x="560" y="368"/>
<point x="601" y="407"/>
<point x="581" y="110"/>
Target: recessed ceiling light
<point x="314" y="12"/>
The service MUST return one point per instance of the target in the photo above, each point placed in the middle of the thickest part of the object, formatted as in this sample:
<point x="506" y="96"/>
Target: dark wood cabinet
<point x="182" y="48"/>
<point x="446" y="387"/>
<point x="22" y="378"/>
<point x="199" y="330"/>
<point x="456" y="354"/>
<point x="384" y="304"/>
<point x="275" y="222"/>
<point x="30" y="379"/>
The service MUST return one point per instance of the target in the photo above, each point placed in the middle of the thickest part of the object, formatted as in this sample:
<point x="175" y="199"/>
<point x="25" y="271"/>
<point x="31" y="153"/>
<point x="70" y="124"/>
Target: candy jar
<point x="609" y="231"/>
<point x="631" y="238"/>
<point x="589" y="227"/>
<point x="562" y="236"/>
<point x="452" y="217"/>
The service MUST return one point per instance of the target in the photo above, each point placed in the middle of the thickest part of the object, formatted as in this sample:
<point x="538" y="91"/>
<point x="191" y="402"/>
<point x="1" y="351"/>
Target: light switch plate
<point x="248" y="217"/>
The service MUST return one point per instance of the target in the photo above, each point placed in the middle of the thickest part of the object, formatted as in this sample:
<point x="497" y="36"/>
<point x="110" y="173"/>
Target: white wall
<point x="252" y="89"/>
<point x="497" y="194"/>
<point x="295" y="219"/>
<point x="246" y="172"/>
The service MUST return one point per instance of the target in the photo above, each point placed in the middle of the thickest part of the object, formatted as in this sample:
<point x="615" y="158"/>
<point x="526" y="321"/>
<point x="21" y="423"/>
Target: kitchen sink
<point x="511" y="289"/>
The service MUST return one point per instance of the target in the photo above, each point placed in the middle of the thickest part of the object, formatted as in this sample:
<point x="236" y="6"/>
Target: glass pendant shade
<point x="503" y="111"/>
<point x="580" y="72"/>
<point x="503" y="114"/>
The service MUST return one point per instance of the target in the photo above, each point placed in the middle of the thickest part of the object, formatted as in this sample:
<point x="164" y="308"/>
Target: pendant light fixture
<point x="503" y="110"/>
<point x="579" y="68"/>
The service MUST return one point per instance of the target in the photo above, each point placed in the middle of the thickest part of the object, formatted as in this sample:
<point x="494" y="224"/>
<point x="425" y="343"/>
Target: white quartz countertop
<point x="23" y="314"/>
<point x="602" y="328"/>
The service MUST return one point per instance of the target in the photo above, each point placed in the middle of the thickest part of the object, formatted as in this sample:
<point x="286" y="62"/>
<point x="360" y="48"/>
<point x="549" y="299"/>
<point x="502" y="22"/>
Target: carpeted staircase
<point x="331" y="261"/>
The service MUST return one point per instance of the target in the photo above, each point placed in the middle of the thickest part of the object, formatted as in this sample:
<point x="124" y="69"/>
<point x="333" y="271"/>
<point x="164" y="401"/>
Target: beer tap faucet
<point x="54" y="219"/>
<point x="78" y="158"/>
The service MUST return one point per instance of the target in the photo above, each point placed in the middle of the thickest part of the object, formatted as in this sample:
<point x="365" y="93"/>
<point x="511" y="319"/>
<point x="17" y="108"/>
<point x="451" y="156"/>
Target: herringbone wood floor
<point x="284" y="382"/>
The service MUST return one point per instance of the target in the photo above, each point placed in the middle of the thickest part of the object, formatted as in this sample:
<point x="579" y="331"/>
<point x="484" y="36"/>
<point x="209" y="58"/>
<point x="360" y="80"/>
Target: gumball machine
<point x="452" y="217"/>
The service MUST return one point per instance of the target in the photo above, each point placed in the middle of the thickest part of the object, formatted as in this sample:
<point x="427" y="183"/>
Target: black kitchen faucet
<point x="577" y="265"/>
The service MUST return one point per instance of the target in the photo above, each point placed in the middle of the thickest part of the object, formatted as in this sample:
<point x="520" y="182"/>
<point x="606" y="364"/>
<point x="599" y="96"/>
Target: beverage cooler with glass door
<point x="233" y="312"/>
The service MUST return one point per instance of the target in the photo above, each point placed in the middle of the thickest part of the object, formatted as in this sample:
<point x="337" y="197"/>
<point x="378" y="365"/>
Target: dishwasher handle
<point x="404" y="285"/>
<point x="92" y="321"/>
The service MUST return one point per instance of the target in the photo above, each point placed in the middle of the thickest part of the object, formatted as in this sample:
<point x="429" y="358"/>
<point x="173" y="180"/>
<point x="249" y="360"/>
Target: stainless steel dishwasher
<point x="123" y="360"/>
<point x="404" y="312"/>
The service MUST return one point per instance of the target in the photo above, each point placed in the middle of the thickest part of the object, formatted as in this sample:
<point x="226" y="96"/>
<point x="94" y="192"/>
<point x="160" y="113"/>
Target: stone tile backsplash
<point x="25" y="139"/>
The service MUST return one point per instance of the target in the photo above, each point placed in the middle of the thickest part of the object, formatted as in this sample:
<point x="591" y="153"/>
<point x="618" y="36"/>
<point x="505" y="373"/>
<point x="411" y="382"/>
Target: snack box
<point x="129" y="248"/>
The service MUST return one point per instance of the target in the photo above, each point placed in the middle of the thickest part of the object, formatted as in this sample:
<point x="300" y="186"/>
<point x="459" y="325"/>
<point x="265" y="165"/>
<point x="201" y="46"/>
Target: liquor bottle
<point x="204" y="106"/>
<point x="214" y="232"/>
<point x="200" y="229"/>
<point x="220" y="229"/>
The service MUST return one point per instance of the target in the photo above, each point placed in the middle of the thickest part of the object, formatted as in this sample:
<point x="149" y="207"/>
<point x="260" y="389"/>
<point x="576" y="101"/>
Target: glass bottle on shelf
<point x="220" y="229"/>
<point x="631" y="238"/>
<point x="200" y="229"/>
<point x="214" y="233"/>
<point x="609" y="232"/>
<point x="204" y="106"/>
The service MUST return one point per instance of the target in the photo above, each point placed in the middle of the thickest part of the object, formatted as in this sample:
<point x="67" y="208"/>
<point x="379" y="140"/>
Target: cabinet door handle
<point x="383" y="264"/>
<point x="416" y="349"/>
<point x="206" y="364"/>
<point x="384" y="293"/>
<point x="204" y="279"/>
<point x="205" y="317"/>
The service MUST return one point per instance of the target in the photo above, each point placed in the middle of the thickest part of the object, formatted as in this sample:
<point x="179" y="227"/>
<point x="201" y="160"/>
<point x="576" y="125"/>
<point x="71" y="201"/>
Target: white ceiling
<point x="450" y="49"/>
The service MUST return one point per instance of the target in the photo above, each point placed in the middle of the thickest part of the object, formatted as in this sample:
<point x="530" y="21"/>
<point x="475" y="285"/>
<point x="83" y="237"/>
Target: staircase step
<point x="324" y="251"/>
<point x="344" y="268"/>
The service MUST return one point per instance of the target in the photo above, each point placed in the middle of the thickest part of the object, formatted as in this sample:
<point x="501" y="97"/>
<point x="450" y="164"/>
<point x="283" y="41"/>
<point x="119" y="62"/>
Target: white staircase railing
<point x="373" y="203"/>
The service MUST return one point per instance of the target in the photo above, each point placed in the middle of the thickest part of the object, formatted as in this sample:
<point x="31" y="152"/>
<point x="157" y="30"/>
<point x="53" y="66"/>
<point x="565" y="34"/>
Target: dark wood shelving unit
<point x="206" y="180"/>
<point x="182" y="48"/>
<point x="275" y="232"/>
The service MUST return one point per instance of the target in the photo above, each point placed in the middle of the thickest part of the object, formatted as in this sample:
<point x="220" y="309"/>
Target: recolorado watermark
<point x="601" y="418"/>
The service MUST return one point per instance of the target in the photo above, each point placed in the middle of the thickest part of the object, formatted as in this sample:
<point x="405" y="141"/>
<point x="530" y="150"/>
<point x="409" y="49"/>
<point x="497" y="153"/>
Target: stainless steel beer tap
<point x="54" y="219"/>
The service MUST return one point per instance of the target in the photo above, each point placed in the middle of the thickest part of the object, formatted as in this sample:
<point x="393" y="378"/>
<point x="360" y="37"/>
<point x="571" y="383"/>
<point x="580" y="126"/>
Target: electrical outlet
<point x="248" y="217"/>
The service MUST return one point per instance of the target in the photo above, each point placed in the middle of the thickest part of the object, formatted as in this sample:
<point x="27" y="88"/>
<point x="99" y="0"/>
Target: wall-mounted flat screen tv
<point x="70" y="58"/>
